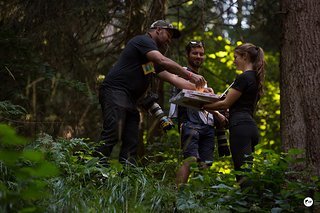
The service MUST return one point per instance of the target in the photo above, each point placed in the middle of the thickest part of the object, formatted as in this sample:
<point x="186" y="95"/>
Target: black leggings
<point x="244" y="135"/>
<point x="243" y="138"/>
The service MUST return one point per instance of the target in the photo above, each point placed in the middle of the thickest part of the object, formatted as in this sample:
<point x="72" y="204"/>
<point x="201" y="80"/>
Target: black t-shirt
<point x="129" y="78"/>
<point x="247" y="84"/>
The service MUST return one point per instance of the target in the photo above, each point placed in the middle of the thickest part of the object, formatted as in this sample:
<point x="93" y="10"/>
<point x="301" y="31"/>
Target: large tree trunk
<point x="300" y="81"/>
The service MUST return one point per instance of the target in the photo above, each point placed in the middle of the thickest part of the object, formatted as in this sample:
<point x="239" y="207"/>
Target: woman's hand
<point x="208" y="90"/>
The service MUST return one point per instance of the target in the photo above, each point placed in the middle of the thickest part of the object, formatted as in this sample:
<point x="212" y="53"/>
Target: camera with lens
<point x="149" y="104"/>
<point x="220" y="132"/>
<point x="223" y="148"/>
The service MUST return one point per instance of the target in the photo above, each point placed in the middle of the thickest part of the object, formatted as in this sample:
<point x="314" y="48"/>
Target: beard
<point x="196" y="64"/>
<point x="163" y="48"/>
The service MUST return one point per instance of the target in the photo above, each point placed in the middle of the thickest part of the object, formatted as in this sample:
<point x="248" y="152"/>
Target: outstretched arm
<point x="176" y="80"/>
<point x="173" y="67"/>
<point x="232" y="96"/>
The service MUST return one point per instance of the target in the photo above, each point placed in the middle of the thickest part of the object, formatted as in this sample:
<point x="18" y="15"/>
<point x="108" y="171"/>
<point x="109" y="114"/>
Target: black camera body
<point x="220" y="132"/>
<point x="150" y="105"/>
<point x="223" y="147"/>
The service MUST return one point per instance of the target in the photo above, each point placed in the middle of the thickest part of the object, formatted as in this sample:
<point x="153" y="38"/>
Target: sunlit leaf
<point x="213" y="56"/>
<point x="238" y="72"/>
<point x="229" y="64"/>
<point x="221" y="54"/>
<point x="189" y="3"/>
<point x="276" y="97"/>
<point x="258" y="151"/>
<point x="223" y="60"/>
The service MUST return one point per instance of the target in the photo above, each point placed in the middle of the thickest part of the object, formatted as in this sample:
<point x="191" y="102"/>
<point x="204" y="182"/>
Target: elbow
<point x="162" y="61"/>
<point x="219" y="105"/>
<point x="225" y="105"/>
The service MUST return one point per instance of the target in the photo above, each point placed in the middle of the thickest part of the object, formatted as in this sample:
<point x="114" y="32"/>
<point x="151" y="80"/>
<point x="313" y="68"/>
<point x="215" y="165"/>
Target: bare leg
<point x="184" y="171"/>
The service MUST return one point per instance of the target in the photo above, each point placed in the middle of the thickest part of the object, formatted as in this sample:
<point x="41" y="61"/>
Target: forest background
<point x="53" y="58"/>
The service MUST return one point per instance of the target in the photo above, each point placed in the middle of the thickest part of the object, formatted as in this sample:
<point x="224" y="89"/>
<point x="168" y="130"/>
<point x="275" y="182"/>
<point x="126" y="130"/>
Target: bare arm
<point x="173" y="67"/>
<point x="176" y="80"/>
<point x="221" y="118"/>
<point x="232" y="96"/>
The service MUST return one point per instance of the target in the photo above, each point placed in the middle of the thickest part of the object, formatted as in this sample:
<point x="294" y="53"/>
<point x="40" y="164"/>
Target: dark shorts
<point x="197" y="141"/>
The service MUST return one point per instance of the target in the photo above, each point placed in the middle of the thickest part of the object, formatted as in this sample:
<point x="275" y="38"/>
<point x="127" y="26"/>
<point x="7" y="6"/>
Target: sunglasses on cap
<point x="196" y="44"/>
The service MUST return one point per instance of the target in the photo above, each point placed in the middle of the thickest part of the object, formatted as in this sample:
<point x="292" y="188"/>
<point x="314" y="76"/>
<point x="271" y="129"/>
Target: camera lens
<point x="165" y="122"/>
<point x="223" y="148"/>
<point x="156" y="110"/>
<point x="149" y="104"/>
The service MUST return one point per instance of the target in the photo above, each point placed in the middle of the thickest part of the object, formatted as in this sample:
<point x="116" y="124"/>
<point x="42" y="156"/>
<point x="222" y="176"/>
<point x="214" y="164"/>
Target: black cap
<point x="165" y="25"/>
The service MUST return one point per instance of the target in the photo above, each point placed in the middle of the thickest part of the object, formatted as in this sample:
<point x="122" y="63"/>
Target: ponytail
<point x="256" y="56"/>
<point x="258" y="65"/>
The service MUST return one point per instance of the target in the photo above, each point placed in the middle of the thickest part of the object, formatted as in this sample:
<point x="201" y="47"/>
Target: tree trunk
<point x="300" y="81"/>
<point x="238" y="26"/>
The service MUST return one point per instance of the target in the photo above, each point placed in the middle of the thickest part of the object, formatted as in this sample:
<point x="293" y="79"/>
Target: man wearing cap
<point x="128" y="80"/>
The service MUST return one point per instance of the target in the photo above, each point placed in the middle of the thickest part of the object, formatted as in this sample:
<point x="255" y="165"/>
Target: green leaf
<point x="9" y="157"/>
<point x="31" y="155"/>
<point x="221" y="186"/>
<point x="44" y="169"/>
<point x="34" y="191"/>
<point x="239" y="208"/>
<point x="28" y="209"/>
<point x="295" y="151"/>
<point x="8" y="136"/>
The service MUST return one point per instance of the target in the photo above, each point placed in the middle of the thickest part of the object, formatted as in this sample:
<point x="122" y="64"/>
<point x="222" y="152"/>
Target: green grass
<point x="59" y="175"/>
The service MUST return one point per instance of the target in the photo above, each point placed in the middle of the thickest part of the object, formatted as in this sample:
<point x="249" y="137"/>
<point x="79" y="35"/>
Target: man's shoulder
<point x="141" y="38"/>
<point x="144" y="42"/>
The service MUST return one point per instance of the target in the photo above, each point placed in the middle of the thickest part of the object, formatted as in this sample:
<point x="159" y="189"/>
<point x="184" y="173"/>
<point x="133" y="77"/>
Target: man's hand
<point x="198" y="80"/>
<point x="221" y="118"/>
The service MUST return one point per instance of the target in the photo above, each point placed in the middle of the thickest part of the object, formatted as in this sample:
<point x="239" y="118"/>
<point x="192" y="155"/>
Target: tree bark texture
<point x="300" y="79"/>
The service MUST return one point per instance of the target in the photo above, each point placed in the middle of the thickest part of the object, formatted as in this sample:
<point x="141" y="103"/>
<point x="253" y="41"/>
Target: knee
<point x="189" y="160"/>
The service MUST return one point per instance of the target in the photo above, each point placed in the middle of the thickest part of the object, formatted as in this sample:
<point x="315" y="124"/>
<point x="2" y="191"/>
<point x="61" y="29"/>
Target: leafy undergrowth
<point x="59" y="175"/>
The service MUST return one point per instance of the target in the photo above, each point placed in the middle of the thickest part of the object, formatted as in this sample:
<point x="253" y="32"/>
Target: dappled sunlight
<point x="258" y="151"/>
<point x="221" y="54"/>
<point x="55" y="56"/>
<point x="222" y="166"/>
<point x="239" y="43"/>
<point x="212" y="55"/>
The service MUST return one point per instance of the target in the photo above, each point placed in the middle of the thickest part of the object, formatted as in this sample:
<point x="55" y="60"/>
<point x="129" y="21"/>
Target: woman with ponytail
<point x="241" y="101"/>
